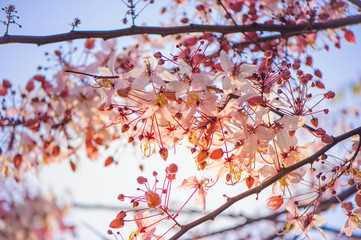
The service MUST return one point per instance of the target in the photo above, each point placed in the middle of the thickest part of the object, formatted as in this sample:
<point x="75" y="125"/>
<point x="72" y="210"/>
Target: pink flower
<point x="235" y="79"/>
<point x="353" y="222"/>
<point x="304" y="222"/>
<point x="110" y="86"/>
<point x="146" y="228"/>
<point x="192" y="182"/>
<point x="153" y="199"/>
<point x="275" y="202"/>
<point x="287" y="124"/>
<point x="149" y="73"/>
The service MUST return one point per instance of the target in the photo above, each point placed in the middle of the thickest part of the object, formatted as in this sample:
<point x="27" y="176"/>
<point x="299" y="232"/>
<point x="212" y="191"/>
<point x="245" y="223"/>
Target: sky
<point x="92" y="183"/>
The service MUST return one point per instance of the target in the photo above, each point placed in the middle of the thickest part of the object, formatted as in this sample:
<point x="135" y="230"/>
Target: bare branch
<point x="95" y="231"/>
<point x="323" y="206"/>
<point x="95" y="206"/>
<point x="116" y="208"/>
<point x="356" y="3"/>
<point x="265" y="183"/>
<point x="291" y="29"/>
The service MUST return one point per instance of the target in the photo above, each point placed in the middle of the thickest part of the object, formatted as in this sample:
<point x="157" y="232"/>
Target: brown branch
<point x="96" y="206"/>
<point x="273" y="37"/>
<point x="165" y="31"/>
<point x="266" y="183"/>
<point x="92" y="75"/>
<point x="116" y="208"/>
<point x="356" y="3"/>
<point x="323" y="206"/>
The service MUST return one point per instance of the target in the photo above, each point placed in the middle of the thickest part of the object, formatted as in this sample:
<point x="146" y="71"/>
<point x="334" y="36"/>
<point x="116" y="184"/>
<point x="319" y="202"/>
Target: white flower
<point x="148" y="73"/>
<point x="235" y="79"/>
<point x="287" y="124"/>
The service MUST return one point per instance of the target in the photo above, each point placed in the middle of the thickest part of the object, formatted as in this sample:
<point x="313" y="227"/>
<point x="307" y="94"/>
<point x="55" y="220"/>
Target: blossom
<point x="110" y="86"/>
<point x="235" y="79"/>
<point x="146" y="228"/>
<point x="256" y="139"/>
<point x="285" y="125"/>
<point x="268" y="171"/>
<point x="304" y="222"/>
<point x="199" y="186"/>
<point x="148" y="73"/>
<point x="275" y="202"/>
<point x="223" y="165"/>
<point x="153" y="199"/>
<point x="353" y="222"/>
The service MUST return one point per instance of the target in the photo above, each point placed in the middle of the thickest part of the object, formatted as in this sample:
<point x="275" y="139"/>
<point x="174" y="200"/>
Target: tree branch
<point x="116" y="208"/>
<point x="323" y="206"/>
<point x="95" y="231"/>
<point x="356" y="3"/>
<point x="265" y="183"/>
<point x="290" y="29"/>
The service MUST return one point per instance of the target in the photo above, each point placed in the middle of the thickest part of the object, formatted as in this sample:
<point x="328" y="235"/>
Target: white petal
<point x="244" y="86"/>
<point x="103" y="71"/>
<point x="283" y="140"/>
<point x="150" y="110"/>
<point x="226" y="63"/>
<point x="156" y="79"/>
<point x="121" y="84"/>
<point x="184" y="68"/>
<point x="165" y="75"/>
<point x="140" y="82"/>
<point x="148" y="63"/>
<point x="208" y="104"/>
<point x="293" y="122"/>
<point x="111" y="63"/>
<point x="247" y="69"/>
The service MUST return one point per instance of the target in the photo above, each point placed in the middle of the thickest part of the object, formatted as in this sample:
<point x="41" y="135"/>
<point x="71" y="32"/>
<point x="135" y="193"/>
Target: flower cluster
<point x="34" y="218"/>
<point x="156" y="198"/>
<point x="239" y="119"/>
<point x="43" y="125"/>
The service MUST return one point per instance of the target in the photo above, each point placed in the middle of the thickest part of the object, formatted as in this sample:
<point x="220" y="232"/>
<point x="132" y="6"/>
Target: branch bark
<point x="356" y="3"/>
<point x="323" y="206"/>
<point x="290" y="30"/>
<point x="266" y="183"/>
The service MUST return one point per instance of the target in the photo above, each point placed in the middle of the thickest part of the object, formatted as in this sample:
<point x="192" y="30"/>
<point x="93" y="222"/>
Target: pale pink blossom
<point x="304" y="222"/>
<point x="146" y="226"/>
<point x="148" y="73"/>
<point x="353" y="222"/>
<point x="287" y="124"/>
<point x="235" y="79"/>
<point x="199" y="186"/>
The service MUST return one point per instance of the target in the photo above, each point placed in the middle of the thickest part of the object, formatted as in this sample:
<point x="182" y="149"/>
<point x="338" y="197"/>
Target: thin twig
<point x="356" y="3"/>
<point x="91" y="75"/>
<point x="95" y="231"/>
<point x="116" y="208"/>
<point x="291" y="29"/>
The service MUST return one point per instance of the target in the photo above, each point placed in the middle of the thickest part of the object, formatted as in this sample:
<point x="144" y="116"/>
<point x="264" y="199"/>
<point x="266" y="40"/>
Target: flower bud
<point x="163" y="153"/>
<point x="125" y="128"/>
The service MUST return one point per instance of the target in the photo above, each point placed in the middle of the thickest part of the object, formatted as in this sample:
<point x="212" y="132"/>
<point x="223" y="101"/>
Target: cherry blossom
<point x="303" y="223"/>
<point x="235" y="81"/>
<point x="200" y="189"/>
<point x="353" y="222"/>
